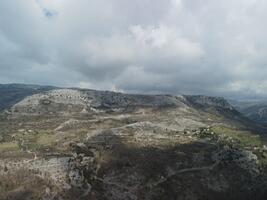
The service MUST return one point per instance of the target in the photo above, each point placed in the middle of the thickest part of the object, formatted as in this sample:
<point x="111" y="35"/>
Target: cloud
<point x="165" y="46"/>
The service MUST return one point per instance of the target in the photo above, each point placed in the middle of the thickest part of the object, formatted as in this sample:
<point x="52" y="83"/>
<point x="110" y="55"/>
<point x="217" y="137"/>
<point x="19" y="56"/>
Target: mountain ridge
<point x="6" y="89"/>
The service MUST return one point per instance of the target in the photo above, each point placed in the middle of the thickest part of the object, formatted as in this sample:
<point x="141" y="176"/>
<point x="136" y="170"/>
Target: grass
<point x="8" y="146"/>
<point x="243" y="138"/>
<point x="42" y="140"/>
<point x="37" y="140"/>
<point x="48" y="139"/>
<point x="45" y="139"/>
<point x="22" y="184"/>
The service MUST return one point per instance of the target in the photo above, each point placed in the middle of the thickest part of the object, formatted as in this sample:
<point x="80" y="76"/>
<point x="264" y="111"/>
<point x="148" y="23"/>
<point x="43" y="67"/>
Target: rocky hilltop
<point x="13" y="93"/>
<point x="68" y="144"/>
<point x="83" y="101"/>
<point x="52" y="101"/>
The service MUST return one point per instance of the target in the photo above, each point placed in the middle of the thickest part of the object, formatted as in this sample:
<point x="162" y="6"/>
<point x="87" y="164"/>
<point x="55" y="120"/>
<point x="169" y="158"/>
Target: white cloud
<point x="206" y="46"/>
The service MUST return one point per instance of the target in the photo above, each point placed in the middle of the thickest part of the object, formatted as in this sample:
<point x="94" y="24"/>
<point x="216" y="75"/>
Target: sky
<point x="211" y="47"/>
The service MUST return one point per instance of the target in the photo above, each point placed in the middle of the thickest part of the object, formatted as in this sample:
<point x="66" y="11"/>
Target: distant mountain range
<point x="254" y="110"/>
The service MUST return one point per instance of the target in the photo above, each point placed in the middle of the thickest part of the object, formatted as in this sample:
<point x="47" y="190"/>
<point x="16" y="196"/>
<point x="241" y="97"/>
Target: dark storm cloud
<point x="165" y="46"/>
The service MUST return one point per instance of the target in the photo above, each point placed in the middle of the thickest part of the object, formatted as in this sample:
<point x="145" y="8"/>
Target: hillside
<point x="13" y="93"/>
<point x="86" y="144"/>
<point x="254" y="110"/>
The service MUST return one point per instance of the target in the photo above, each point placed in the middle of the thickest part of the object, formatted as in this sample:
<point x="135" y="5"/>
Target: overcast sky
<point x="215" y="47"/>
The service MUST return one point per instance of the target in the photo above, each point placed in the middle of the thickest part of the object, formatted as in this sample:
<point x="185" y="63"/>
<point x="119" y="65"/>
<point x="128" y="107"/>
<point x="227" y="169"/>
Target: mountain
<point x="254" y="110"/>
<point x="71" y="143"/>
<point x="13" y="93"/>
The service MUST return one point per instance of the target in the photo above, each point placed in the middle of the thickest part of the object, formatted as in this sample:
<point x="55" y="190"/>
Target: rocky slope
<point x="13" y="93"/>
<point x="69" y="102"/>
<point x="88" y="100"/>
<point x="86" y="144"/>
<point x="206" y="101"/>
<point x="75" y="100"/>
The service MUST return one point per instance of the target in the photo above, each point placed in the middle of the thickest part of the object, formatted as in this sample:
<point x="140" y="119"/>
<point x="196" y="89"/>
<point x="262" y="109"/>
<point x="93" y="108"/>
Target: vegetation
<point x="240" y="137"/>
<point x="121" y="152"/>
<point x="8" y="146"/>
